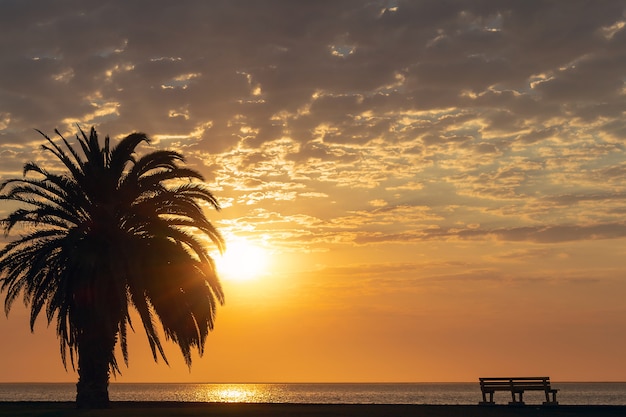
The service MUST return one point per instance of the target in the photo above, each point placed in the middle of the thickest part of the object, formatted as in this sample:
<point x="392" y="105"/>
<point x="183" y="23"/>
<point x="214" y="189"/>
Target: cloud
<point x="444" y="114"/>
<point x="534" y="234"/>
<point x="552" y="233"/>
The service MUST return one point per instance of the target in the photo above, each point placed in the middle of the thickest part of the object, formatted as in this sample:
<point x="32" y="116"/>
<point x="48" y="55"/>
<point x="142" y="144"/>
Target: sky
<point x="410" y="190"/>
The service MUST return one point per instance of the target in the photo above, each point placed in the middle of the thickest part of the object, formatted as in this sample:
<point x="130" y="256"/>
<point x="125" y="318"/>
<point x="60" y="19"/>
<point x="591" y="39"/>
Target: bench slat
<point x="516" y="379"/>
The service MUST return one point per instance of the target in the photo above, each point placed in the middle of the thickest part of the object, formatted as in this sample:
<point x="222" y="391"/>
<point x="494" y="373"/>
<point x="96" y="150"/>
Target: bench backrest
<point x="517" y="382"/>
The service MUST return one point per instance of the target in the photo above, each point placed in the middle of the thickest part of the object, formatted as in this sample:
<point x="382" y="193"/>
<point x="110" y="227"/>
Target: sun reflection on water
<point x="232" y="393"/>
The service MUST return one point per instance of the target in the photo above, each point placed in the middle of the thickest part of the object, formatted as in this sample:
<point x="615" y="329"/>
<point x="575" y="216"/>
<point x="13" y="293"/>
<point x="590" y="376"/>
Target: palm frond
<point x="75" y="170"/>
<point x="123" y="152"/>
<point x="69" y="147"/>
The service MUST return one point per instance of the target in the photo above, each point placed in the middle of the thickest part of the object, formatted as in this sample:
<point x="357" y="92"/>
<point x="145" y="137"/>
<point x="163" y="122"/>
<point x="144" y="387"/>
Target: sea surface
<point x="571" y="393"/>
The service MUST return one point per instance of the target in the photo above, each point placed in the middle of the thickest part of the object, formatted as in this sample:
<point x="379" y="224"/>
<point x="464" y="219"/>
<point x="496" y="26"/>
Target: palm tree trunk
<point x="94" y="352"/>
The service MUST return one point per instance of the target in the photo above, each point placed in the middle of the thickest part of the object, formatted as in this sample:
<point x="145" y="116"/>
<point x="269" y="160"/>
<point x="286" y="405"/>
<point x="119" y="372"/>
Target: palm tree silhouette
<point x="108" y="234"/>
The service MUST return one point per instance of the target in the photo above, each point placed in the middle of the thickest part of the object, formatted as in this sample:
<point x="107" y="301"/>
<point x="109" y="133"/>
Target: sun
<point x="242" y="261"/>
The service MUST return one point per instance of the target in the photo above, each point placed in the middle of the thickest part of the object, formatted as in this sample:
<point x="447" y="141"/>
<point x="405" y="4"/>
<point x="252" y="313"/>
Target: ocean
<point x="570" y="393"/>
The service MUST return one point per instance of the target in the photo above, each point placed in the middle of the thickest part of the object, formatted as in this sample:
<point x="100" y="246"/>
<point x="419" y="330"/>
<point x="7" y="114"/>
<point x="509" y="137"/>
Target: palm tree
<point x="109" y="234"/>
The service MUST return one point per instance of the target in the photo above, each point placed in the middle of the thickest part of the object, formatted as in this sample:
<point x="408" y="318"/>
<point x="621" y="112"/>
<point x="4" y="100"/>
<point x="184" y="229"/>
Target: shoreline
<point x="197" y="409"/>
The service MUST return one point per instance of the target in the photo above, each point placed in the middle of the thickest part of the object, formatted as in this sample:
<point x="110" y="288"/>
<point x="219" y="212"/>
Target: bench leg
<point x="515" y="400"/>
<point x="554" y="401"/>
<point x="484" y="401"/>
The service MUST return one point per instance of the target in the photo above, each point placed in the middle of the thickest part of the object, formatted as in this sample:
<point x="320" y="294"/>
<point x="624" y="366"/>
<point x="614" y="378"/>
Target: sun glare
<point x="242" y="261"/>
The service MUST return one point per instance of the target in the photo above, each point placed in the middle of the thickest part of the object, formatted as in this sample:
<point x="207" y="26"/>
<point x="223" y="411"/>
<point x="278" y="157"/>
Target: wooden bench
<point x="517" y="386"/>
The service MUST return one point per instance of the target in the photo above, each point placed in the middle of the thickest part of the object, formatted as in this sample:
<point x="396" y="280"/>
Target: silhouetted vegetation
<point x="108" y="234"/>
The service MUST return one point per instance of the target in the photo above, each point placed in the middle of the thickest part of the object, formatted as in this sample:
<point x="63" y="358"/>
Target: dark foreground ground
<point x="162" y="409"/>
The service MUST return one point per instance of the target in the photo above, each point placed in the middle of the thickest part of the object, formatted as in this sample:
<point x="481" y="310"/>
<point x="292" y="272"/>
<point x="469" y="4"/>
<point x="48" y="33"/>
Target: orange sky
<point x="436" y="193"/>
